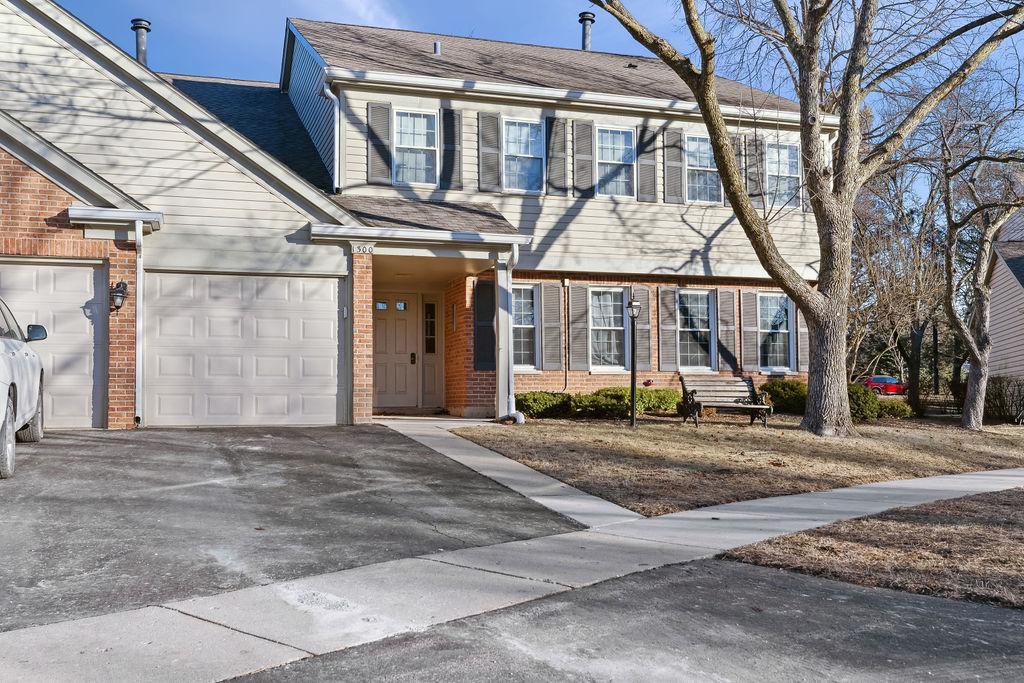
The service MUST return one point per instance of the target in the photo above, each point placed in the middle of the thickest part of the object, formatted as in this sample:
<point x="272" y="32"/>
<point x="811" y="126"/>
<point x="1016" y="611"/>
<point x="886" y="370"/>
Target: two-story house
<point x="404" y="222"/>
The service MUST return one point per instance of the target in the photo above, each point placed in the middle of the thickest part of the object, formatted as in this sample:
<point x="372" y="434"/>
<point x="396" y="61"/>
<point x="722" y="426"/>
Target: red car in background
<point x="884" y="384"/>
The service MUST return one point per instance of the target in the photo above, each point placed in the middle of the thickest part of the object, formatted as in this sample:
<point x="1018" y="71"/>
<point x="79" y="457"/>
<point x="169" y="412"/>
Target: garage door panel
<point x="230" y="349"/>
<point x="71" y="302"/>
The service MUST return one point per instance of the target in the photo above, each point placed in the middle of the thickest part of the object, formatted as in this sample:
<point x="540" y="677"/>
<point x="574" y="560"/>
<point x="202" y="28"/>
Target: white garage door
<point x="240" y="350"/>
<point x="72" y="303"/>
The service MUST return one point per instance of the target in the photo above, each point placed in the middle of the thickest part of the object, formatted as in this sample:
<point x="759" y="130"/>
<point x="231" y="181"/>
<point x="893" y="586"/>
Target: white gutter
<point x="321" y="231"/>
<point x="140" y="321"/>
<point x="93" y="215"/>
<point x="380" y="78"/>
<point x="328" y="92"/>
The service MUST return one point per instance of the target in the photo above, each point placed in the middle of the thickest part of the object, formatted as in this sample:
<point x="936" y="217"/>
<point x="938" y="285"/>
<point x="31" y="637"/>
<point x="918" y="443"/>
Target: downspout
<point x="336" y="101"/>
<point x="517" y="416"/>
<point x="140" y="321"/>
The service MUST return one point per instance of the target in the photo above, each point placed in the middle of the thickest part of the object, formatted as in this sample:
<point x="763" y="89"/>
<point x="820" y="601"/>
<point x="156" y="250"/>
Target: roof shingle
<point x="407" y="214"/>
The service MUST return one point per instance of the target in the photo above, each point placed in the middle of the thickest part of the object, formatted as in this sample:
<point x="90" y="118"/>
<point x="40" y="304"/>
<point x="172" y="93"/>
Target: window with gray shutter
<point x="551" y="326"/>
<point x="668" y="329"/>
<point x="753" y="152"/>
<point x="643" y="327"/>
<point x="451" y="152"/>
<point x="557" y="161"/>
<point x="378" y="143"/>
<point x="489" y="151"/>
<point x="803" y="343"/>
<point x="579" y="327"/>
<point x="583" y="159"/>
<point x="647" y="165"/>
<point x="749" y="332"/>
<point x="675" y="167"/>
<point x="727" y="357"/>
<point x="484" y="341"/>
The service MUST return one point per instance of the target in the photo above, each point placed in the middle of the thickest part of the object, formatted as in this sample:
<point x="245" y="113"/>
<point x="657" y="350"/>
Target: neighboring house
<point x="1006" y="279"/>
<point x="406" y="221"/>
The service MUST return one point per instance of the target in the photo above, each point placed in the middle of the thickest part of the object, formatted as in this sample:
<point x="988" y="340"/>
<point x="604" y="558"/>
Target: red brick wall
<point x="34" y="222"/>
<point x="467" y="392"/>
<point x="362" y="338"/>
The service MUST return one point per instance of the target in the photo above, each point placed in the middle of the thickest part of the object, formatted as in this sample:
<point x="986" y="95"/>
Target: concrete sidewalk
<point x="242" y="631"/>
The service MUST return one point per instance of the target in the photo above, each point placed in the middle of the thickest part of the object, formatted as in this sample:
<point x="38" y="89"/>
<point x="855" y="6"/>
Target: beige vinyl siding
<point x="1007" y="326"/>
<point x="602" y="234"/>
<point x="208" y="201"/>
<point x="315" y="111"/>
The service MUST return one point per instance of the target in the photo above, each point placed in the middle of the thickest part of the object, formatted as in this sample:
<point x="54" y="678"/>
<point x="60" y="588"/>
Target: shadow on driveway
<point x="99" y="522"/>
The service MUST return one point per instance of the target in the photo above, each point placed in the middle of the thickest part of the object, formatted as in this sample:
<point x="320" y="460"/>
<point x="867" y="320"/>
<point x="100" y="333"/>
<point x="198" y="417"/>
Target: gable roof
<point x="261" y="112"/>
<point x="61" y="168"/>
<point x="1012" y="254"/>
<point x="368" y="48"/>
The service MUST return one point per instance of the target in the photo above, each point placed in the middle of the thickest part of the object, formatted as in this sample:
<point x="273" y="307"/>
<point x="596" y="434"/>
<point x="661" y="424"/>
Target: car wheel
<point x="33" y="431"/>
<point x="7" y="441"/>
<point x="878" y="392"/>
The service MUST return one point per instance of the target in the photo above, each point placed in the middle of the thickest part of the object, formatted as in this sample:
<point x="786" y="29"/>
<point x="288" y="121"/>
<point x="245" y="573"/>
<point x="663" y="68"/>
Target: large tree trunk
<point x="828" y="402"/>
<point x="977" y="387"/>
<point x="917" y="332"/>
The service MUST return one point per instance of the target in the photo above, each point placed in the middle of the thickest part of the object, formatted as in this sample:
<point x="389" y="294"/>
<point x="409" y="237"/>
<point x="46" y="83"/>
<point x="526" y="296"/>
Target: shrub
<point x="647" y="400"/>
<point x="544" y="404"/>
<point x="600" y="406"/>
<point x="1004" y="399"/>
<point x="863" y="403"/>
<point x="895" y="408"/>
<point x="789" y="396"/>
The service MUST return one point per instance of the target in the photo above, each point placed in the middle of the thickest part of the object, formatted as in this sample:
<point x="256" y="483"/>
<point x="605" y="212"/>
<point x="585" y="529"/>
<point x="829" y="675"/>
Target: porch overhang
<point x="320" y="232"/>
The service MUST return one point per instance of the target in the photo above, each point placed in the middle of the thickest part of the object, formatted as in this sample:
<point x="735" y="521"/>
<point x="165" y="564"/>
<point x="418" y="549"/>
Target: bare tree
<point x="836" y="56"/>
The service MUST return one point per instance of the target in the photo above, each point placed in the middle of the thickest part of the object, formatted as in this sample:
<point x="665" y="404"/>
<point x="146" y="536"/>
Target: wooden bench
<point x="722" y="392"/>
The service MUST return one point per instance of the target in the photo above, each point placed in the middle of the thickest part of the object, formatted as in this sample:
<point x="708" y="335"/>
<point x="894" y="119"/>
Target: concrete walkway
<point x="247" y="630"/>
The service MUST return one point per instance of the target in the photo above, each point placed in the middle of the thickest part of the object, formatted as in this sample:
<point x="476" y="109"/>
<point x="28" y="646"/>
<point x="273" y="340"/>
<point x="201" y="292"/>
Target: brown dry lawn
<point x="970" y="549"/>
<point x="665" y="466"/>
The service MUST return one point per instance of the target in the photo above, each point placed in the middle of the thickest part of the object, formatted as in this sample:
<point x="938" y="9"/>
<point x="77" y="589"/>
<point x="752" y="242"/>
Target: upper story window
<point x="524" y="326"/>
<point x="702" y="181"/>
<point x="607" y="328"/>
<point x="774" y="330"/>
<point x="783" y="165"/>
<point x="524" y="156"/>
<point x="616" y="157"/>
<point x="696" y="336"/>
<point x="415" y="148"/>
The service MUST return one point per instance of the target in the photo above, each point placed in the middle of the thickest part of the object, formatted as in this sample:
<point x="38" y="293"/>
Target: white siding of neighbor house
<point x="1007" y="323"/>
<point x="600" y="235"/>
<point x="305" y="85"/>
<point x="216" y="216"/>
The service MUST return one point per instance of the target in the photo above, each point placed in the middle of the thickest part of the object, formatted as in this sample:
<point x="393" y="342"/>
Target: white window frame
<point x="543" y="157"/>
<point x="534" y="289"/>
<point x="799" y="175"/>
<point x="791" y="335"/>
<point x="712" y="296"/>
<point x="597" y="161"/>
<point x="627" y="341"/>
<point x="686" y="169"/>
<point x="436" y="113"/>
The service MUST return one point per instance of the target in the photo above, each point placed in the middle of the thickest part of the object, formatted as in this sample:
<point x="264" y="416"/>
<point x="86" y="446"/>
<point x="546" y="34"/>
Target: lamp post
<point x="634" y="312"/>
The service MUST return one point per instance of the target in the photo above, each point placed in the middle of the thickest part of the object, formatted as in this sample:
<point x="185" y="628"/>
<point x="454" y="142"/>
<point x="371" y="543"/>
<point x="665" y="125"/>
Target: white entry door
<point x="241" y="350"/>
<point x="71" y="301"/>
<point x="396" y="361"/>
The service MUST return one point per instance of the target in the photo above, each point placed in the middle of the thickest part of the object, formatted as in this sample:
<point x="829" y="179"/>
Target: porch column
<point x="504" y="402"/>
<point x="361" y="274"/>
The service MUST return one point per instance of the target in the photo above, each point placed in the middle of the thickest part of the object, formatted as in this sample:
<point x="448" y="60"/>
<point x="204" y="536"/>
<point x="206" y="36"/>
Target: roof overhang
<point x="98" y="217"/>
<point x="320" y="232"/>
<point x="555" y="95"/>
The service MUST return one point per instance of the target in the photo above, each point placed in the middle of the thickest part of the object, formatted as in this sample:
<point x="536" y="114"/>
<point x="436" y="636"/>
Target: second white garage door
<point x="241" y="350"/>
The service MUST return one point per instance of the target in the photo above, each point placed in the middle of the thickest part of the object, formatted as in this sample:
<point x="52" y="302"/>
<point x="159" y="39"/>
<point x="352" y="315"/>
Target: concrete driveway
<point x="99" y="522"/>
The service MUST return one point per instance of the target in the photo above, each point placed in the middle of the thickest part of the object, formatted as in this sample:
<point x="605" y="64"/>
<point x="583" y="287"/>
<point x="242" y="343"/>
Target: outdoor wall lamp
<point x="633" y="309"/>
<point x="118" y="293"/>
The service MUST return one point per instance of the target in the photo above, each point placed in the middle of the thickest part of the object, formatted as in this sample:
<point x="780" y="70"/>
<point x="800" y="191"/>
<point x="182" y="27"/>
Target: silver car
<point x="21" y="387"/>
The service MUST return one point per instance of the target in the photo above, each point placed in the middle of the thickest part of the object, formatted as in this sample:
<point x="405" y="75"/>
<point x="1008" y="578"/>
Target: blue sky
<point x="242" y="38"/>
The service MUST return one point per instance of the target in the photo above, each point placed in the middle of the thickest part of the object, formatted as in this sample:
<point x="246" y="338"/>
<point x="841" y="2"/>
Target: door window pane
<point x="773" y="330"/>
<point x="694" y="329"/>
<point x="415" y="148"/>
<point x="429" y="328"/>
<point x="524" y="156"/>
<point x="615" y="157"/>
<point x="524" y="326"/>
<point x="607" y="328"/>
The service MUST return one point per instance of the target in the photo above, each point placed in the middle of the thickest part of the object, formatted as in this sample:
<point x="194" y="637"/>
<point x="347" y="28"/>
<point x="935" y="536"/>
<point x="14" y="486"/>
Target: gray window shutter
<point x="675" y="167"/>
<point x="727" y="357"/>
<point x="755" y="170"/>
<point x="490" y="151"/>
<point x="751" y="357"/>
<point x="484" y="341"/>
<point x="451" y="153"/>
<point x="803" y="343"/>
<point x="378" y="143"/>
<point x="579" y="327"/>
<point x="737" y="148"/>
<point x="668" y="329"/>
<point x="643" y="327"/>
<point x="582" y="159"/>
<point x="551" y="326"/>
<point x="647" y="165"/>
<point x="557" y="161"/>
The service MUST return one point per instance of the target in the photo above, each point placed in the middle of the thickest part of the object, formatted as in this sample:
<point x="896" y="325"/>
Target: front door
<point x="396" y="361"/>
